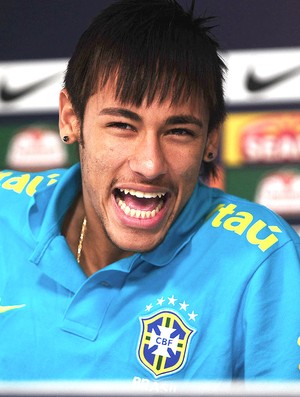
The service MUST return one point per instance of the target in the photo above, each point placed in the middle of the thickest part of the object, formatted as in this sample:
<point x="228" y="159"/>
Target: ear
<point x="69" y="125"/>
<point x="212" y="145"/>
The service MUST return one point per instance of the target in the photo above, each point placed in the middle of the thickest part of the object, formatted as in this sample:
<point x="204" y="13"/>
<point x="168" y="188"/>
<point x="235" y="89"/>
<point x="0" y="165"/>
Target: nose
<point x="148" y="159"/>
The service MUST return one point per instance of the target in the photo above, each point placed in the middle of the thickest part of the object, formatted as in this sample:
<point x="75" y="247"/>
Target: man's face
<point x="139" y="167"/>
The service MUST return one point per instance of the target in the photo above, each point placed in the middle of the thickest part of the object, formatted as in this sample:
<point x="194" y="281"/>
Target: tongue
<point x="143" y="204"/>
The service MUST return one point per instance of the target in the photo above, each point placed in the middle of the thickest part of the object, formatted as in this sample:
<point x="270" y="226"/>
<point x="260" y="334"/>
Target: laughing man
<point x="126" y="266"/>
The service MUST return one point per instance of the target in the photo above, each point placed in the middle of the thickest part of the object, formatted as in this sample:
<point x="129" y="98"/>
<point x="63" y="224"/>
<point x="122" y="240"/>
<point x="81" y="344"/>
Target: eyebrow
<point x="184" y="119"/>
<point x="121" y="112"/>
<point x="178" y="119"/>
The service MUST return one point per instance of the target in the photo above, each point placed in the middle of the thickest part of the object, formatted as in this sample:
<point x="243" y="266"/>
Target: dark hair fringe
<point x="152" y="49"/>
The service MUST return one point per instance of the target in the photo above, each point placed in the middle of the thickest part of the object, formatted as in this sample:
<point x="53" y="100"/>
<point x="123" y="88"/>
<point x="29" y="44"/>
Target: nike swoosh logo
<point x="4" y="309"/>
<point x="255" y="84"/>
<point x="8" y="94"/>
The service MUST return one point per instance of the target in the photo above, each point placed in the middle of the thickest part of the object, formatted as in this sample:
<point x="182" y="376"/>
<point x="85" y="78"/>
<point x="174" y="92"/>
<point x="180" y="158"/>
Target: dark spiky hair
<point x="153" y="49"/>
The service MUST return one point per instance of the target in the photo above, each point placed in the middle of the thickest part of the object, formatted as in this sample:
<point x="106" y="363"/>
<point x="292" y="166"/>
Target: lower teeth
<point x="138" y="213"/>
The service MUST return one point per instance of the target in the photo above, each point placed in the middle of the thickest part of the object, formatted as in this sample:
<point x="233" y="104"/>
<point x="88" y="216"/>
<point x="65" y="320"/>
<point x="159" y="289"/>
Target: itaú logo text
<point x="242" y="223"/>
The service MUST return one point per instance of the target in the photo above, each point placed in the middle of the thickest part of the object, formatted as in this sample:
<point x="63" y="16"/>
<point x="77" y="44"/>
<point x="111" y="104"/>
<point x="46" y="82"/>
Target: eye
<point x="181" y="132"/>
<point x="121" y="126"/>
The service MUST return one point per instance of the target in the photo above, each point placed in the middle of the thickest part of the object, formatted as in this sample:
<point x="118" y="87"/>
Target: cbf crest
<point x="164" y="342"/>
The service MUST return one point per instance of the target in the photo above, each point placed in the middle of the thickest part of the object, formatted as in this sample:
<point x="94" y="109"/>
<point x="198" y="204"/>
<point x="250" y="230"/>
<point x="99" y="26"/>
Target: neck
<point x="72" y="224"/>
<point x="97" y="250"/>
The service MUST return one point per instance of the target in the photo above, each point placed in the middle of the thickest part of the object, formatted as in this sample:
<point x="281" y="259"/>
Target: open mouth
<point x="138" y="204"/>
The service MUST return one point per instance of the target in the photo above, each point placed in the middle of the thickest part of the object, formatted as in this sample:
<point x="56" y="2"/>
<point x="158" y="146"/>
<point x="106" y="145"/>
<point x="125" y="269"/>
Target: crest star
<point x="149" y="307"/>
<point x="183" y="305"/>
<point x="172" y="300"/>
<point x="192" y="316"/>
<point x="160" y="301"/>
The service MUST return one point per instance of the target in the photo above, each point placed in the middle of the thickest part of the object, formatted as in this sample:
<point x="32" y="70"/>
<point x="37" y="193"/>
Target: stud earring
<point x="210" y="156"/>
<point x="66" y="138"/>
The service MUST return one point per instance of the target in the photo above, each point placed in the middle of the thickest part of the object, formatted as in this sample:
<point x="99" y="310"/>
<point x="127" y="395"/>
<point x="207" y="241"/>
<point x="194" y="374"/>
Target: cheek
<point x="100" y="163"/>
<point x="187" y="171"/>
<point x="190" y="179"/>
<point x="188" y="166"/>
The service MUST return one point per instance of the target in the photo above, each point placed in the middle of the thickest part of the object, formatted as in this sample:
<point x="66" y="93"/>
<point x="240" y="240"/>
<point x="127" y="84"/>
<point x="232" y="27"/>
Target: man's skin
<point x="147" y="157"/>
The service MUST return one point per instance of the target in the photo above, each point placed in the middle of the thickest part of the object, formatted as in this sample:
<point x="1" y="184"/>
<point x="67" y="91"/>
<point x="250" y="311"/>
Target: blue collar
<point x="46" y="216"/>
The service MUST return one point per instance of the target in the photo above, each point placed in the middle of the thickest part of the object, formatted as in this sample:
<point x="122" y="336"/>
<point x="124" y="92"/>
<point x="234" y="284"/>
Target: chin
<point x="139" y="246"/>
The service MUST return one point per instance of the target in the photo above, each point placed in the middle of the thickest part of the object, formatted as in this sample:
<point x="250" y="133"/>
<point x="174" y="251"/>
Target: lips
<point x="139" y="204"/>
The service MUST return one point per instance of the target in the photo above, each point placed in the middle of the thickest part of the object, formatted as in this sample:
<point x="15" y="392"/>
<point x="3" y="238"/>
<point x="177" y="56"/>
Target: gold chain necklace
<point x="80" y="242"/>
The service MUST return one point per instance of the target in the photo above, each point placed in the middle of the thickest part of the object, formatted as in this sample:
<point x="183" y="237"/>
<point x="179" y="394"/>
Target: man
<point x="126" y="266"/>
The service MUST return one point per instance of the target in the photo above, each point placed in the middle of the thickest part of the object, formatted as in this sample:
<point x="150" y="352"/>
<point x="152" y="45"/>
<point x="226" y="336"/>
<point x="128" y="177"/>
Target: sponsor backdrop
<point x="260" y="43"/>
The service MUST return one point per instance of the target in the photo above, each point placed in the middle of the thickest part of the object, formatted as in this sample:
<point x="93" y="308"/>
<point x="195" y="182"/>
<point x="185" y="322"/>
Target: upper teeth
<point x="140" y="194"/>
<point x="136" y="213"/>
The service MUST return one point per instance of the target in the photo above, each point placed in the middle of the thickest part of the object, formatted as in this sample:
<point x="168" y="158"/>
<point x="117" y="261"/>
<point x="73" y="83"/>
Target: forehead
<point x="108" y="96"/>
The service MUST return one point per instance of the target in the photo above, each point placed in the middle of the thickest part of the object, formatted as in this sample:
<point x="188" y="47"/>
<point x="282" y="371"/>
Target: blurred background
<point x="260" y="43"/>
